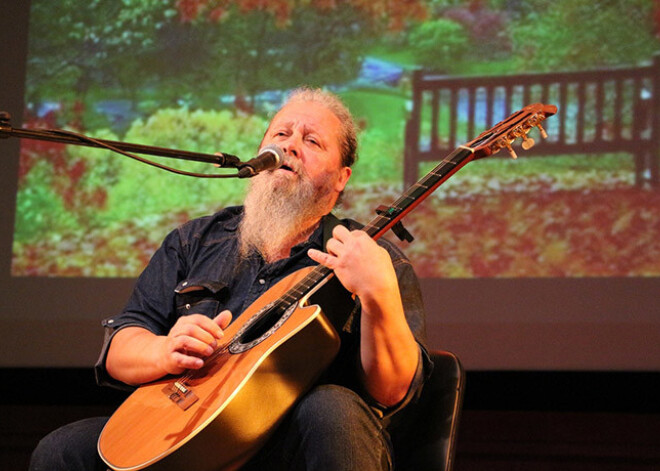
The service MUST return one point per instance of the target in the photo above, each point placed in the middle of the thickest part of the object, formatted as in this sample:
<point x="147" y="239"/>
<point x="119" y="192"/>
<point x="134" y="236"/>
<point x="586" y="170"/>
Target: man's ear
<point x="344" y="175"/>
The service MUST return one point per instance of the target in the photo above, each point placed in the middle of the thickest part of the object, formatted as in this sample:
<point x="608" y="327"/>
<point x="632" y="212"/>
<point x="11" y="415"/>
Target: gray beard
<point x="279" y="213"/>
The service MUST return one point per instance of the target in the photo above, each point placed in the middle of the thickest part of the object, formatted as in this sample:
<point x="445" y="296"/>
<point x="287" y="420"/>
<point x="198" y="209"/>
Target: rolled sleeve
<point x="423" y="371"/>
<point x="101" y="374"/>
<point x="150" y="305"/>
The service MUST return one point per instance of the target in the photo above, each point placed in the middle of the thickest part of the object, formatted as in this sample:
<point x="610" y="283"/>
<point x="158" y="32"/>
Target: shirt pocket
<point x="199" y="297"/>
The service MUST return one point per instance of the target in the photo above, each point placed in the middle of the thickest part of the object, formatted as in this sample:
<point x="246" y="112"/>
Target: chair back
<point x="427" y="439"/>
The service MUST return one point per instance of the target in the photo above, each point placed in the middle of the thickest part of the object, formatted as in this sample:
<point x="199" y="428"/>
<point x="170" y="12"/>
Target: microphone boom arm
<point x="6" y="130"/>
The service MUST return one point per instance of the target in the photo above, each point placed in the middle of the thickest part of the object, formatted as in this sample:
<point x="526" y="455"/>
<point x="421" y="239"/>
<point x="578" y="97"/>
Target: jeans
<point x="331" y="428"/>
<point x="72" y="447"/>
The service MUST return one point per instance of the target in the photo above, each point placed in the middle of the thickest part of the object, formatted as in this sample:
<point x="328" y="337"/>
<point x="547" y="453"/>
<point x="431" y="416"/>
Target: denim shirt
<point x="198" y="270"/>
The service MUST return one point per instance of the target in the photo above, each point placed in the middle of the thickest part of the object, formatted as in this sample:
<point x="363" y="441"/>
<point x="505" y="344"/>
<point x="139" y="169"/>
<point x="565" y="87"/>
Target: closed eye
<point x="313" y="141"/>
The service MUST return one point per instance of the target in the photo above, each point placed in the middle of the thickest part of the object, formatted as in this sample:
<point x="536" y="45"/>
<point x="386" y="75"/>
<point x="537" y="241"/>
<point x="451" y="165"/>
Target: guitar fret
<point x="418" y="185"/>
<point x="430" y="178"/>
<point x="457" y="156"/>
<point x="294" y="293"/>
<point x="372" y="229"/>
<point x="401" y="204"/>
<point x="434" y="175"/>
<point x="416" y="193"/>
<point x="377" y="221"/>
<point x="444" y="168"/>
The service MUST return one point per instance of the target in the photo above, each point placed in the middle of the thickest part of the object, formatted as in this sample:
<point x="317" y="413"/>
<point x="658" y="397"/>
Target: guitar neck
<point x="418" y="192"/>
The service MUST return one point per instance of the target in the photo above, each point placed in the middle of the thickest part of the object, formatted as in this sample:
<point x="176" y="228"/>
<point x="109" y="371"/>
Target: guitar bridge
<point x="178" y="393"/>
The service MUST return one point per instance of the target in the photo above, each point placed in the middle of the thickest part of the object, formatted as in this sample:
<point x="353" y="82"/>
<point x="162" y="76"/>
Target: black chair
<point x="427" y="440"/>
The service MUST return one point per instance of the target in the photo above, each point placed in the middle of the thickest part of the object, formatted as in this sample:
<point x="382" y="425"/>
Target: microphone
<point x="269" y="157"/>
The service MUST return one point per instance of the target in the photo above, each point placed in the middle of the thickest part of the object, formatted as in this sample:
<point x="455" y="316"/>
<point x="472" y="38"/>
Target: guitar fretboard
<point x="417" y="192"/>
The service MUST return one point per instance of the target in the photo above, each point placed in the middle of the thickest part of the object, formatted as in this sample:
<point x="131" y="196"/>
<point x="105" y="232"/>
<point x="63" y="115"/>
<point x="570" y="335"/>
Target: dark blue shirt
<point x="198" y="270"/>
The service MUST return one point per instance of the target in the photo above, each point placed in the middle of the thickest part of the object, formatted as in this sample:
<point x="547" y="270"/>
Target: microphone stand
<point x="223" y="160"/>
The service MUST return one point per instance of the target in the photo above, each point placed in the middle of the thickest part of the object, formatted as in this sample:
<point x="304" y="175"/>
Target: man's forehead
<point x="306" y="113"/>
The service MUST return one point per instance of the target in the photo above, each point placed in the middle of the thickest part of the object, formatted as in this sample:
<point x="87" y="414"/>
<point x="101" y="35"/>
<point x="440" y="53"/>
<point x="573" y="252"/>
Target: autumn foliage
<point x="559" y="234"/>
<point x="530" y="227"/>
<point x="394" y="12"/>
<point x="506" y="234"/>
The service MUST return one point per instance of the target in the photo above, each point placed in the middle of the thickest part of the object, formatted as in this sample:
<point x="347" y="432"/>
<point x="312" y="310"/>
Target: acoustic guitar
<point x="217" y="417"/>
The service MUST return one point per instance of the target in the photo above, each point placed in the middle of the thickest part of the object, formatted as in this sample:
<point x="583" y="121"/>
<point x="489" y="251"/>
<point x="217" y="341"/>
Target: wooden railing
<point x="600" y="111"/>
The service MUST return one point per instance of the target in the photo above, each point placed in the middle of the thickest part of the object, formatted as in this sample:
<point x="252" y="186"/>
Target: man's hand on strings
<point x="191" y="339"/>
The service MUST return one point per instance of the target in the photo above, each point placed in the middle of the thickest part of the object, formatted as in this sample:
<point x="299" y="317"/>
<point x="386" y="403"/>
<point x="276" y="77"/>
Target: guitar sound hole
<point x="260" y="327"/>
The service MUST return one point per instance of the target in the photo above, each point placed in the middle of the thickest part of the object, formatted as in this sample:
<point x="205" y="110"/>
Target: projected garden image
<point x="207" y="75"/>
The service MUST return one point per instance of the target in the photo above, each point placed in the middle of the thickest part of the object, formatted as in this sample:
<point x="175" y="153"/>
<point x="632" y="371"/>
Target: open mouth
<point x="286" y="168"/>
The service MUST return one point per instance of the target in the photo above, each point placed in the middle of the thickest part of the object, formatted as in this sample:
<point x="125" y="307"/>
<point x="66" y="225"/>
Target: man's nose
<point x="292" y="146"/>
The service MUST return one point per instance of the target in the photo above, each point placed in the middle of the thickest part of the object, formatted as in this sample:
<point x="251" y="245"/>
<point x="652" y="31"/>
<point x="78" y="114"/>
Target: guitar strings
<point x="290" y="297"/>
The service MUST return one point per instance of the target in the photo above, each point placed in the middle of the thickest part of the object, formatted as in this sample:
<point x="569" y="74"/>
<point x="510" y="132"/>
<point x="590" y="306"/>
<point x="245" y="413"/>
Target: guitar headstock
<point x="515" y="126"/>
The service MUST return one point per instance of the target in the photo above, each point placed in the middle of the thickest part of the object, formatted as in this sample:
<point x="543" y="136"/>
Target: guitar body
<point x="240" y="397"/>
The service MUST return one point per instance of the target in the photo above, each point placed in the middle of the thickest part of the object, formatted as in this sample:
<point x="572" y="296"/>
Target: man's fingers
<point x="197" y="331"/>
<point x="204" y="323"/>
<point x="339" y="232"/>
<point x="334" y="246"/>
<point x="192" y="346"/>
<point x="223" y="319"/>
<point x="186" y="362"/>
<point x="321" y="257"/>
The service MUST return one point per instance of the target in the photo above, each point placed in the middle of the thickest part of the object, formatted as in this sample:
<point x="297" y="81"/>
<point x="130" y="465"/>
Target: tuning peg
<point x="544" y="134"/>
<point x="512" y="152"/>
<point x="527" y="142"/>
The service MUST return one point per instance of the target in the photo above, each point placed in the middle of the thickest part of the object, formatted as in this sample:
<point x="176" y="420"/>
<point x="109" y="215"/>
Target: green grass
<point x="381" y="116"/>
<point x="378" y="109"/>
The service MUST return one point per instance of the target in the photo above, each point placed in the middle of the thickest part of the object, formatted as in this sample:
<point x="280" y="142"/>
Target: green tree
<point x="282" y="43"/>
<point x="439" y="43"/>
<point x="159" y="51"/>
<point x="252" y="53"/>
<point x="77" y="45"/>
<point x="580" y="34"/>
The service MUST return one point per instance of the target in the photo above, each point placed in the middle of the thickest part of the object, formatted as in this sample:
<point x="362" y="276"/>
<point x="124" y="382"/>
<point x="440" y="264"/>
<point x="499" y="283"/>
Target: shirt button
<point x="262" y="281"/>
<point x="187" y="306"/>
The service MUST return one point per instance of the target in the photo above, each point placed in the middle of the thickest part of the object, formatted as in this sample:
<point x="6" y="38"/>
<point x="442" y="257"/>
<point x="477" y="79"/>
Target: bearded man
<point x="211" y="269"/>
